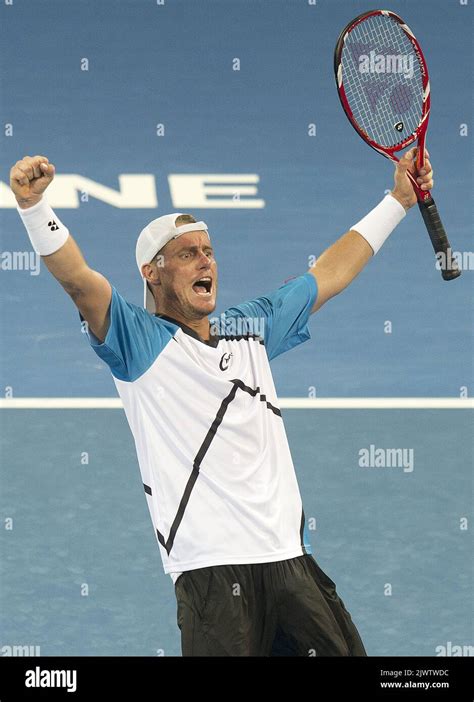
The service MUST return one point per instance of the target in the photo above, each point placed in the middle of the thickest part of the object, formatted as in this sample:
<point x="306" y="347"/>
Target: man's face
<point x="187" y="276"/>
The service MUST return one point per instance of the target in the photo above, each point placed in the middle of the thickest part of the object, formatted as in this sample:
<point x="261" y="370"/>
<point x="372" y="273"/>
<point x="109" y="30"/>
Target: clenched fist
<point x="29" y="178"/>
<point x="403" y="190"/>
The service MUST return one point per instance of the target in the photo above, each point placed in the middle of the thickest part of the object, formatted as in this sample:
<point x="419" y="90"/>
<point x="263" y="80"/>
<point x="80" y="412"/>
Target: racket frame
<point x="420" y="132"/>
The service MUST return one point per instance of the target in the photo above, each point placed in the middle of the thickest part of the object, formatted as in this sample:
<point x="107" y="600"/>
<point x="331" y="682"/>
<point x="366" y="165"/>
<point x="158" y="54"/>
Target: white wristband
<point x="377" y="226"/>
<point x="46" y="231"/>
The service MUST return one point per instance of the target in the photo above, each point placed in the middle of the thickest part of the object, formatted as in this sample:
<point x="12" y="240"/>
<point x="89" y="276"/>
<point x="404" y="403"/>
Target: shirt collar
<point x="213" y="339"/>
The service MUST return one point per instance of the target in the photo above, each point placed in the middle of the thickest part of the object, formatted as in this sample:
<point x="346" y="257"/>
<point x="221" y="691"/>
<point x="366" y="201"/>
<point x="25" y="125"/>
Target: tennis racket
<point x="384" y="88"/>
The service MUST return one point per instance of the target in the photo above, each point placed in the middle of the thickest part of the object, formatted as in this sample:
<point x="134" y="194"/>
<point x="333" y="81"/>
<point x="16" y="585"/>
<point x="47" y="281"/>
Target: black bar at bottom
<point x="74" y="678"/>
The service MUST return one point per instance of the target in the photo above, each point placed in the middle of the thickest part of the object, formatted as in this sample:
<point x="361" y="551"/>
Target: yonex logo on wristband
<point x="46" y="231"/>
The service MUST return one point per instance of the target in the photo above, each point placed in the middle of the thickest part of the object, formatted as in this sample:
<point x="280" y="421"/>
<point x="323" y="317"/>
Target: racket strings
<point x="388" y="104"/>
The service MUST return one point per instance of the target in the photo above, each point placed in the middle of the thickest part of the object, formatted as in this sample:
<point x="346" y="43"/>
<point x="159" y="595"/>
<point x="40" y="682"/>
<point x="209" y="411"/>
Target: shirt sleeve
<point x="284" y="313"/>
<point x="134" y="339"/>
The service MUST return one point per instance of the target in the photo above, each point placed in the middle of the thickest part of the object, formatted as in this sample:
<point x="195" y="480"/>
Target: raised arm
<point x="337" y="267"/>
<point x="89" y="290"/>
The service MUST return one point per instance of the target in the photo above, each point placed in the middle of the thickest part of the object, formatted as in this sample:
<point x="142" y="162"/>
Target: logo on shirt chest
<point x="225" y="361"/>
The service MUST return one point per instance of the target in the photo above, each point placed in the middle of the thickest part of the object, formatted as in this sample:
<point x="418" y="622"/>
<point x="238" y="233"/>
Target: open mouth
<point x="203" y="286"/>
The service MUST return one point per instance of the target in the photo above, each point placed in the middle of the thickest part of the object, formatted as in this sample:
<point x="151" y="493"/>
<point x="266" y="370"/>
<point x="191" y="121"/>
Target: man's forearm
<point x="53" y="241"/>
<point x="68" y="266"/>
<point x="344" y="260"/>
<point x="89" y="290"/>
<point x="353" y="253"/>
<point x="340" y="264"/>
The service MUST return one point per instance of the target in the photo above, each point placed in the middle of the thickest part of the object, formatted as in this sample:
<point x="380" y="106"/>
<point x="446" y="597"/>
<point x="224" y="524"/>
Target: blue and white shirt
<point x="213" y="454"/>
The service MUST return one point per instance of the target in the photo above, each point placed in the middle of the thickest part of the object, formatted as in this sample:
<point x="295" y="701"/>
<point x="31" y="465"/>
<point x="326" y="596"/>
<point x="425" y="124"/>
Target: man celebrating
<point x="200" y="401"/>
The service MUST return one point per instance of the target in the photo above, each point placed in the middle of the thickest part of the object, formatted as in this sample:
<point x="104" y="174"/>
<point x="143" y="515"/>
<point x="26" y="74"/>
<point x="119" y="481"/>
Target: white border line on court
<point x="284" y="403"/>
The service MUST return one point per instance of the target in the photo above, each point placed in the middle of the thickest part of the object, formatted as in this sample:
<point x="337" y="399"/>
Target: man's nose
<point x="204" y="260"/>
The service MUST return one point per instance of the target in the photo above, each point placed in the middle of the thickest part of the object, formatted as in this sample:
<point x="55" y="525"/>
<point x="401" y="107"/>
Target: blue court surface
<point x="127" y="98"/>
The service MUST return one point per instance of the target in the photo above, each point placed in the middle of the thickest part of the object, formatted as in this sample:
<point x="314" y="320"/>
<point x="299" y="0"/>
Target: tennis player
<point x="200" y="400"/>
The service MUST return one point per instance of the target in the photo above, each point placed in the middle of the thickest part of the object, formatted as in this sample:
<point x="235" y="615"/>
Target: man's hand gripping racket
<point x="384" y="88"/>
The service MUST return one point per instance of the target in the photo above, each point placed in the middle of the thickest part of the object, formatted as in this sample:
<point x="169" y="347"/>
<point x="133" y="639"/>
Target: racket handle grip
<point x="439" y="239"/>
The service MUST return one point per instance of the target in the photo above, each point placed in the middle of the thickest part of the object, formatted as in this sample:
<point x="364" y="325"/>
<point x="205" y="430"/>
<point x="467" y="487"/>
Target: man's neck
<point x="200" y="326"/>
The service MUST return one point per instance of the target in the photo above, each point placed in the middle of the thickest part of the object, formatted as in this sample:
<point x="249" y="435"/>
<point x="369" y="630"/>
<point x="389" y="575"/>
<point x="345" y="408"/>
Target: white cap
<point x="152" y="239"/>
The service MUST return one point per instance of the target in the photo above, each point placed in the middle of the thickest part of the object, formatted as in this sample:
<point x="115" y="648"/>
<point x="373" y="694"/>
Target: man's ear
<point x="147" y="268"/>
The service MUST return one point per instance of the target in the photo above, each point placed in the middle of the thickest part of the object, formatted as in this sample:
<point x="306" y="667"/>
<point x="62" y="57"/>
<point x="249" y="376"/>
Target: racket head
<point x="382" y="81"/>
